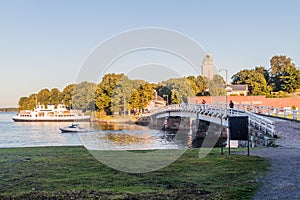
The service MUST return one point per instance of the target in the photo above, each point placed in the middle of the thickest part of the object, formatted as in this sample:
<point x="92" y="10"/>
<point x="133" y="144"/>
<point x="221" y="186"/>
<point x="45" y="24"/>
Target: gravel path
<point x="283" y="180"/>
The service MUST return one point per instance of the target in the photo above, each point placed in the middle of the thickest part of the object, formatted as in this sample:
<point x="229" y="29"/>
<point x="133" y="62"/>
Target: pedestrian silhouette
<point x="231" y="104"/>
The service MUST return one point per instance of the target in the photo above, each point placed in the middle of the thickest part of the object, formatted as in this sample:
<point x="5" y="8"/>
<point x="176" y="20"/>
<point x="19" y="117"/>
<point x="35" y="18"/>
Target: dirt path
<point x="283" y="181"/>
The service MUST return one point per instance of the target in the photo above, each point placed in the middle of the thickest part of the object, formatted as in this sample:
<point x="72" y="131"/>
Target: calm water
<point x="99" y="136"/>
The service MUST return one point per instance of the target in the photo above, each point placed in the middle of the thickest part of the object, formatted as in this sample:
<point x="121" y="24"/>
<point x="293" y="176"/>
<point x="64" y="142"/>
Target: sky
<point x="43" y="44"/>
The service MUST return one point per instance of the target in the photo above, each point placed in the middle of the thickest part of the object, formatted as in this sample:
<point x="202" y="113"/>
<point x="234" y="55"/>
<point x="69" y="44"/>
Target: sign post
<point x="238" y="129"/>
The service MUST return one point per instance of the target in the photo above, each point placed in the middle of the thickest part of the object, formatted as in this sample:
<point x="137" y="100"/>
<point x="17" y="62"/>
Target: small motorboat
<point x="74" y="128"/>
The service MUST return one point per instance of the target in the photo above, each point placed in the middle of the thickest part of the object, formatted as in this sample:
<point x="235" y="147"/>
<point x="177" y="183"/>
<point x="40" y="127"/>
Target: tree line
<point x="281" y="78"/>
<point x="116" y="93"/>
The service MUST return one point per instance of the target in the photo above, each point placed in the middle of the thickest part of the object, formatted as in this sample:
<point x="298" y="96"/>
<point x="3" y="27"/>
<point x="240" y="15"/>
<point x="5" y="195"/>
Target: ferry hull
<point x="52" y="120"/>
<point x="50" y="114"/>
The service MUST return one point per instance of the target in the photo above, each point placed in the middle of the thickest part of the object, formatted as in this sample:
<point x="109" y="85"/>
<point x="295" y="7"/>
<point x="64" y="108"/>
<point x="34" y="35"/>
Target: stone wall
<point x="254" y="100"/>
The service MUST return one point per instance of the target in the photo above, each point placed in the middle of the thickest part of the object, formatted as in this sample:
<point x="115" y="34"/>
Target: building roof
<point x="239" y="87"/>
<point x="159" y="98"/>
<point x="208" y="59"/>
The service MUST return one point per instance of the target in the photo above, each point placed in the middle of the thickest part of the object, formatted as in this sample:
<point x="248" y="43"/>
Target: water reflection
<point x="116" y="126"/>
<point x="127" y="139"/>
<point x="103" y="136"/>
<point x="168" y="135"/>
<point x="115" y="136"/>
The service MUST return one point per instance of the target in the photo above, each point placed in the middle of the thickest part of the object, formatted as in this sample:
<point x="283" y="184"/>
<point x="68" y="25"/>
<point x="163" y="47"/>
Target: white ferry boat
<point x="50" y="114"/>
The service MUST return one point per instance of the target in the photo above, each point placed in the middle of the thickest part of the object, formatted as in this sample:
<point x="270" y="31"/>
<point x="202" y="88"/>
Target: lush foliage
<point x="216" y="86"/>
<point x="177" y="89"/>
<point x="83" y="96"/>
<point x="256" y="81"/>
<point x="282" y="77"/>
<point x="284" y="74"/>
<point x="116" y="93"/>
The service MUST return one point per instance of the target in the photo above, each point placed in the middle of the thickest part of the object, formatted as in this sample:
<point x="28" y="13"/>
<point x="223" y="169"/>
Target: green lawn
<point x="71" y="172"/>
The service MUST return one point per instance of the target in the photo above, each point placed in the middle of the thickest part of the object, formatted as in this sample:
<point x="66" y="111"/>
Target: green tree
<point x="22" y="103"/>
<point x="55" y="97"/>
<point x="84" y="96"/>
<point x="177" y="89"/>
<point x="216" y="86"/>
<point x="202" y="84"/>
<point x="105" y="90"/>
<point x="284" y="74"/>
<point x="264" y="72"/>
<point x="192" y="80"/>
<point x="67" y="95"/>
<point x="121" y="95"/>
<point x="27" y="103"/>
<point x="255" y="79"/>
<point x="43" y="97"/>
<point x="141" y="96"/>
<point x="199" y="84"/>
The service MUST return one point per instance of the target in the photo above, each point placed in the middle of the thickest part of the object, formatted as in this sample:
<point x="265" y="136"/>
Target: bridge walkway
<point x="216" y="114"/>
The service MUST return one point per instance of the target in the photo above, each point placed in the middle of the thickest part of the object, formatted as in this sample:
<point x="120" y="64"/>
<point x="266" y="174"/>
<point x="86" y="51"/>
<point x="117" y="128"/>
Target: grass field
<point x="72" y="173"/>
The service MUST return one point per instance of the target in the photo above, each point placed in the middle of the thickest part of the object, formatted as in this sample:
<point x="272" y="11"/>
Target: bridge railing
<point x="285" y="113"/>
<point x="261" y="123"/>
<point x="216" y="111"/>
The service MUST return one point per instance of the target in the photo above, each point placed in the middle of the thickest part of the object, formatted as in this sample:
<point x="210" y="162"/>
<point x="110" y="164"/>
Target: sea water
<point x="99" y="136"/>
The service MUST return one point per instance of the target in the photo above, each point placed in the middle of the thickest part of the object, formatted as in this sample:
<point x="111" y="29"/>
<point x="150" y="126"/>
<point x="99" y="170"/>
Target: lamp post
<point x="167" y="98"/>
<point x="226" y="81"/>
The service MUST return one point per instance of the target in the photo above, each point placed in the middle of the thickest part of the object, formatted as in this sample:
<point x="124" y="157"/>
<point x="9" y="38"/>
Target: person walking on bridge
<point x="231" y="104"/>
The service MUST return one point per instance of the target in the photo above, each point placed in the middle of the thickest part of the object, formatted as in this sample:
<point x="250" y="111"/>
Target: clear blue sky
<point x="44" y="43"/>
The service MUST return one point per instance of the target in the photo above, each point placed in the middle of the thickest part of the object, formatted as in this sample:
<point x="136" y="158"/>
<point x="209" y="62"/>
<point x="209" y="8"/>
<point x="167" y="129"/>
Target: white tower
<point x="208" y="68"/>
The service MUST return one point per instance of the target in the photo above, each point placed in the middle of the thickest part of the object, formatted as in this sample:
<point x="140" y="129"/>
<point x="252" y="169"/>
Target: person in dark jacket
<point x="231" y="105"/>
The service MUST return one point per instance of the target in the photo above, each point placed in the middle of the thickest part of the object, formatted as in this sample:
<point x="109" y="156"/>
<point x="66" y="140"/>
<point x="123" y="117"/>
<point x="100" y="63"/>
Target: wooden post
<point x="222" y="138"/>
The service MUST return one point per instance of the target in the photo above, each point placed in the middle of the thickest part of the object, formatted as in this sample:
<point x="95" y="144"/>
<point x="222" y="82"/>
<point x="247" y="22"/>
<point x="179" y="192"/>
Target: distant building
<point x="208" y="68"/>
<point x="237" y="90"/>
<point x="157" y="101"/>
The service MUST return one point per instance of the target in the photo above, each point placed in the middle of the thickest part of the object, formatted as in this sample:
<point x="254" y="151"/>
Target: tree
<point x="84" y="96"/>
<point x="67" y="95"/>
<point x="27" y="103"/>
<point x="121" y="95"/>
<point x="43" y="97"/>
<point x="199" y="84"/>
<point x="55" y="97"/>
<point x="255" y="79"/>
<point x="216" y="86"/>
<point x="105" y="90"/>
<point x="22" y="103"/>
<point x="141" y="96"/>
<point x="264" y="72"/>
<point x="192" y="81"/>
<point x="177" y="89"/>
<point x="284" y="74"/>
<point x="202" y="84"/>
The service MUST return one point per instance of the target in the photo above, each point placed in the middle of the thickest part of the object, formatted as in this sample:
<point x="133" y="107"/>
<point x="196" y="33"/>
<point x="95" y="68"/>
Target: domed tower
<point x="208" y="68"/>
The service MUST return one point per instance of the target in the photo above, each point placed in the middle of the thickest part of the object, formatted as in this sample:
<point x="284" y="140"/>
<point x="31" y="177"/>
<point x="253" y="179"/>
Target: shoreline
<point x="6" y="110"/>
